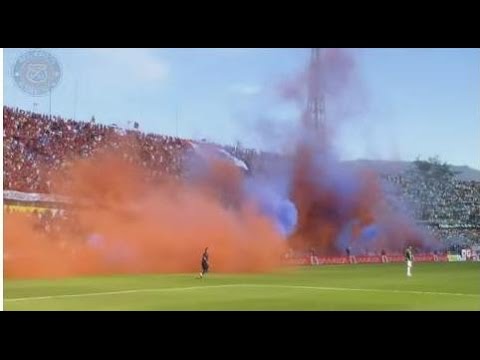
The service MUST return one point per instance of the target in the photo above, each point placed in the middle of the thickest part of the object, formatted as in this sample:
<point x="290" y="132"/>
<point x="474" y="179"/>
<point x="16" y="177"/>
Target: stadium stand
<point x="35" y="146"/>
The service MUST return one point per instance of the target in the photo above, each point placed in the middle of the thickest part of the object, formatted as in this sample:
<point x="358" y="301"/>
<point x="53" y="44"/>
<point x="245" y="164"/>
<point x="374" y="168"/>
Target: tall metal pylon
<point x="316" y="99"/>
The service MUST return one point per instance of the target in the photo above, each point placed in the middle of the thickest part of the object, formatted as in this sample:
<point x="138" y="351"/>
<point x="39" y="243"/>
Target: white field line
<point x="320" y="288"/>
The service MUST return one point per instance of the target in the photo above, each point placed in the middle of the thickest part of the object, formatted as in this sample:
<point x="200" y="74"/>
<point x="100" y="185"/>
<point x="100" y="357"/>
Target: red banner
<point x="330" y="260"/>
<point x="442" y="258"/>
<point x="368" y="259"/>
<point x="363" y="259"/>
<point x="298" y="261"/>
<point x="395" y="258"/>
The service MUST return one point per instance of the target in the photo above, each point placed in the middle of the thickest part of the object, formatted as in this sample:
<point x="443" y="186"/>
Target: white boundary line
<point x="321" y="288"/>
<point x="116" y="292"/>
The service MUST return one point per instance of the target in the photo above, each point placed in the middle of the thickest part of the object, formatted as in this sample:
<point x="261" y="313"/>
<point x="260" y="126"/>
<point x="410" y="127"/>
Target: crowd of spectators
<point x="448" y="209"/>
<point x="445" y="201"/>
<point x="36" y="145"/>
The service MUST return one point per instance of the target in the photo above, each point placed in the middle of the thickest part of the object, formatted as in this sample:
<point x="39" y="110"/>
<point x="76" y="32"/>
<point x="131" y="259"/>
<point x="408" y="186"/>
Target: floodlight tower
<point x="315" y="116"/>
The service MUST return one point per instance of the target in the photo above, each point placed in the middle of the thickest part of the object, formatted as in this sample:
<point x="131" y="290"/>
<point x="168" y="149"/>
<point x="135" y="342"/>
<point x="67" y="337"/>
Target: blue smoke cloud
<point x="344" y="239"/>
<point x="369" y="234"/>
<point x="268" y="190"/>
<point x="287" y="217"/>
<point x="272" y="201"/>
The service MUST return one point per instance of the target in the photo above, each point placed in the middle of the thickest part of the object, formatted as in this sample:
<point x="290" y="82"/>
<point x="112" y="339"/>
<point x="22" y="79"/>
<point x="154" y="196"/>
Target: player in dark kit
<point x="205" y="264"/>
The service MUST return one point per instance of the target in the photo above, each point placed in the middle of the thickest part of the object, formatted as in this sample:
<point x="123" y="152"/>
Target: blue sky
<point x="413" y="102"/>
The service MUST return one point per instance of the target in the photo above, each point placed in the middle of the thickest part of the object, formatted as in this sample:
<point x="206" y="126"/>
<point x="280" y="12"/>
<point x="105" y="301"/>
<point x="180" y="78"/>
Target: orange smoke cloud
<point x="142" y="228"/>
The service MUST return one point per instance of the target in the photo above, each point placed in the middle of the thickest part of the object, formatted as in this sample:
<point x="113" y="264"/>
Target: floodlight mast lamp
<point x="315" y="116"/>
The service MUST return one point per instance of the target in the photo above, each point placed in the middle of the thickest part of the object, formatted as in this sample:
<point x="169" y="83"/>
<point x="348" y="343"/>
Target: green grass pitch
<point x="434" y="286"/>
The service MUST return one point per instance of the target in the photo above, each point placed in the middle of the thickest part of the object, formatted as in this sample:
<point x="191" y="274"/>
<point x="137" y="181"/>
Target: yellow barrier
<point x="22" y="208"/>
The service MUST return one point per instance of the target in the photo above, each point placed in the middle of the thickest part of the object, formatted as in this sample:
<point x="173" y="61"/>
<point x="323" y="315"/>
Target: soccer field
<point x="434" y="286"/>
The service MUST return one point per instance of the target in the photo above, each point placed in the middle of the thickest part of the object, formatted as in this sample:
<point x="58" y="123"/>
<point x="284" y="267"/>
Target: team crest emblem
<point x="37" y="72"/>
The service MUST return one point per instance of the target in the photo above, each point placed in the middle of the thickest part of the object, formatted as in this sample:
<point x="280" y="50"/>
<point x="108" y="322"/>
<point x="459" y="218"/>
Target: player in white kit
<point x="409" y="260"/>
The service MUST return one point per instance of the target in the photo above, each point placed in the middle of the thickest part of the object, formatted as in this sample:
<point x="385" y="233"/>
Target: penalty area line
<point x="318" y="288"/>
